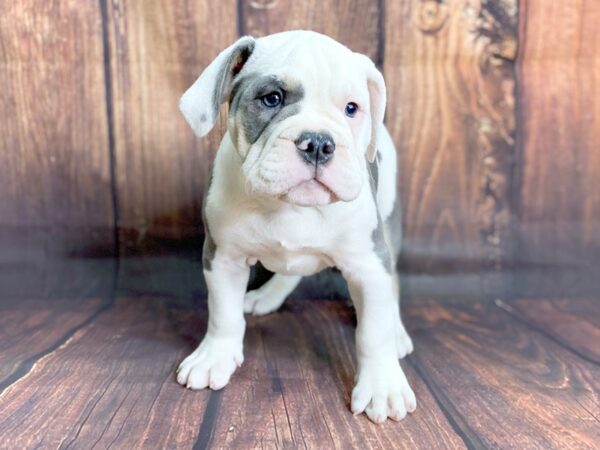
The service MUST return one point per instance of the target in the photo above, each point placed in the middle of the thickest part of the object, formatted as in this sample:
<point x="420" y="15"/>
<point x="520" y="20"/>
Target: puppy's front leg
<point x="221" y="351"/>
<point x="381" y="389"/>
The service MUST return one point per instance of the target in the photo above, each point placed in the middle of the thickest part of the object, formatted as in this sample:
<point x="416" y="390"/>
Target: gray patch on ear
<point x="253" y="116"/>
<point x="381" y="231"/>
<point x="228" y="71"/>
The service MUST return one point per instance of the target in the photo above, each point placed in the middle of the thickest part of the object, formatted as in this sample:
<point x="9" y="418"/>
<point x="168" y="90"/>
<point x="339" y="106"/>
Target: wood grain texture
<point x="114" y="385"/>
<point x="510" y="385"/>
<point x="157" y="49"/>
<point x="355" y="24"/>
<point x="449" y="70"/>
<point x="32" y="328"/>
<point x="294" y="389"/>
<point x="559" y="75"/>
<point x="111" y="384"/>
<point x="55" y="198"/>
<point x="565" y="320"/>
<point x="483" y="377"/>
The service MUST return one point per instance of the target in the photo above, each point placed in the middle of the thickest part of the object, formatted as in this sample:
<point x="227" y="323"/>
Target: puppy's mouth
<point x="311" y="192"/>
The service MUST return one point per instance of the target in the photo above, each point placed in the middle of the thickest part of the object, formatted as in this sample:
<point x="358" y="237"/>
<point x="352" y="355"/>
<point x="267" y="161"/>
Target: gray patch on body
<point x="380" y="244"/>
<point x="209" y="248"/>
<point x="393" y="225"/>
<point x="381" y="231"/>
<point x="374" y="174"/>
<point x="254" y="117"/>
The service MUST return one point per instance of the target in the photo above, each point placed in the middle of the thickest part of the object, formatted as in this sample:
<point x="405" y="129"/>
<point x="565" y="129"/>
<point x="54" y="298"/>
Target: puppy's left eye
<point x="351" y="109"/>
<point x="272" y="99"/>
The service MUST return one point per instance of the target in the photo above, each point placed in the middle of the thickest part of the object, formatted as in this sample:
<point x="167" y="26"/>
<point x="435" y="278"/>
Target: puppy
<point x="304" y="179"/>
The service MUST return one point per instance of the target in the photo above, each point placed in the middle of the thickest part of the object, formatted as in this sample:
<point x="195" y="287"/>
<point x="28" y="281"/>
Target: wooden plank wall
<point x="449" y="68"/>
<point x="157" y="49"/>
<point x="558" y="186"/>
<point x="91" y="135"/>
<point x="55" y="178"/>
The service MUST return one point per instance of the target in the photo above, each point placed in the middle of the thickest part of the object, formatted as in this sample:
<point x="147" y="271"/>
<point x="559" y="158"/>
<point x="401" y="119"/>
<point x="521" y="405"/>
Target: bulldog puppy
<point x="304" y="179"/>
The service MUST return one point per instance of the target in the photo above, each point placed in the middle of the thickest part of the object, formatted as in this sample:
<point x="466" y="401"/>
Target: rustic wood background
<point x="494" y="106"/>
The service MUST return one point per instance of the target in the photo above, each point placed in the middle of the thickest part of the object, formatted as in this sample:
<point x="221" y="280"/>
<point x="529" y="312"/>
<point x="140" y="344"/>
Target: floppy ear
<point x="377" y="101"/>
<point x="201" y="102"/>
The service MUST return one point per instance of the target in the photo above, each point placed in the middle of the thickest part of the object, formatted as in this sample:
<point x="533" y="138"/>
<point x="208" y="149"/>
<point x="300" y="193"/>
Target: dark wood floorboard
<point x="511" y="384"/>
<point x="572" y="322"/>
<point x="482" y="376"/>
<point x="294" y="389"/>
<point x="111" y="384"/>
<point x="31" y="328"/>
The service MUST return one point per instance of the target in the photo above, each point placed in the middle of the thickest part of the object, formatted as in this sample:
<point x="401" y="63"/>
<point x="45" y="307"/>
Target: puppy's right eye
<point x="272" y="99"/>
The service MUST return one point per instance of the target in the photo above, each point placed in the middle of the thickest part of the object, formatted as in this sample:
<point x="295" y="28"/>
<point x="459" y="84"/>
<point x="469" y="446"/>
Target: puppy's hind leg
<point x="270" y="296"/>
<point x="404" y="344"/>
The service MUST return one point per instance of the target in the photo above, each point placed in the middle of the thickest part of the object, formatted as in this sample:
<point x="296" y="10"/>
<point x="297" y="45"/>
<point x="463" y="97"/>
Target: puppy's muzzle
<point x="315" y="148"/>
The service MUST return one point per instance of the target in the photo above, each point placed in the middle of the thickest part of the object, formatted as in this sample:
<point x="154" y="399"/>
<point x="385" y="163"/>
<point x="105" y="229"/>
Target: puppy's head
<point x="304" y="112"/>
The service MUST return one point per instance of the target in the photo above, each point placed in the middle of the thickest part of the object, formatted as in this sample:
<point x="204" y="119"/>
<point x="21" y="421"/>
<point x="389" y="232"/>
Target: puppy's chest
<point x="290" y="247"/>
<point x="285" y="258"/>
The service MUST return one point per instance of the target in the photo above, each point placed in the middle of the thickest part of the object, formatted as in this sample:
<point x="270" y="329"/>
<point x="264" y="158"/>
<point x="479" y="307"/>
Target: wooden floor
<point x="88" y="371"/>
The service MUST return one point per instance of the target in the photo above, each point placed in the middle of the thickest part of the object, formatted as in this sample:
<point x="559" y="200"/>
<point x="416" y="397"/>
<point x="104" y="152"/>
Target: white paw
<point x="382" y="391"/>
<point x="260" y="302"/>
<point x="404" y="344"/>
<point x="211" y="364"/>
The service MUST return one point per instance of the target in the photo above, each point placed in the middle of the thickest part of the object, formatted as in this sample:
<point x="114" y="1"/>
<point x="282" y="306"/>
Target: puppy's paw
<point x="382" y="391"/>
<point x="211" y="364"/>
<point x="263" y="301"/>
<point x="404" y="344"/>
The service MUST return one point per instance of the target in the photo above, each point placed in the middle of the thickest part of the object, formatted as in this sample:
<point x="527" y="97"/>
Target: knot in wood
<point x="431" y="15"/>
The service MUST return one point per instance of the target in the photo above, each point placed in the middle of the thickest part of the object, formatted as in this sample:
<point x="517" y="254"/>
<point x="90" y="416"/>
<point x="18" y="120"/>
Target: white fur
<point x="253" y="213"/>
<point x="271" y="295"/>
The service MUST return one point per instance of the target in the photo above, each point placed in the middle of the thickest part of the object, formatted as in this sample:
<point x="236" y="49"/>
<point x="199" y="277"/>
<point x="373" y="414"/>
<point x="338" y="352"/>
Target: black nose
<point x="315" y="148"/>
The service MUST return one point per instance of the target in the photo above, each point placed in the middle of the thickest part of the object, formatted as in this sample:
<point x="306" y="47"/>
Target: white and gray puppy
<point x="304" y="179"/>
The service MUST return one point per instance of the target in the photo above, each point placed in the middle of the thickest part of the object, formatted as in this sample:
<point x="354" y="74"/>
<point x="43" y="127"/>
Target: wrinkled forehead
<point x="320" y="68"/>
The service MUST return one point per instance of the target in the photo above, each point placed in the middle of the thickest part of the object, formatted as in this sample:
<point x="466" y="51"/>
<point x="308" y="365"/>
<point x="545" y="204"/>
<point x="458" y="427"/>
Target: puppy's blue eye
<point x="272" y="99"/>
<point x="351" y="109"/>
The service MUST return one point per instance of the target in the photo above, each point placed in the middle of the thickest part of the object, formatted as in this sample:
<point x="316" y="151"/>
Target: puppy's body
<point x="296" y="240"/>
<point x="304" y="179"/>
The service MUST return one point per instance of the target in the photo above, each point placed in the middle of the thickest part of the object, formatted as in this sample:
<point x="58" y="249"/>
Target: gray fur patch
<point x="229" y="70"/>
<point x="374" y="173"/>
<point x="254" y="117"/>
<point x="393" y="225"/>
<point x="381" y="246"/>
<point x="381" y="231"/>
<point x="286" y="112"/>
<point x="209" y="248"/>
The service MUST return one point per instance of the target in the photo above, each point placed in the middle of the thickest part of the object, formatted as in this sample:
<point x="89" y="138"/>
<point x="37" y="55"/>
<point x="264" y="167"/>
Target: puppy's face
<point x="301" y="117"/>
